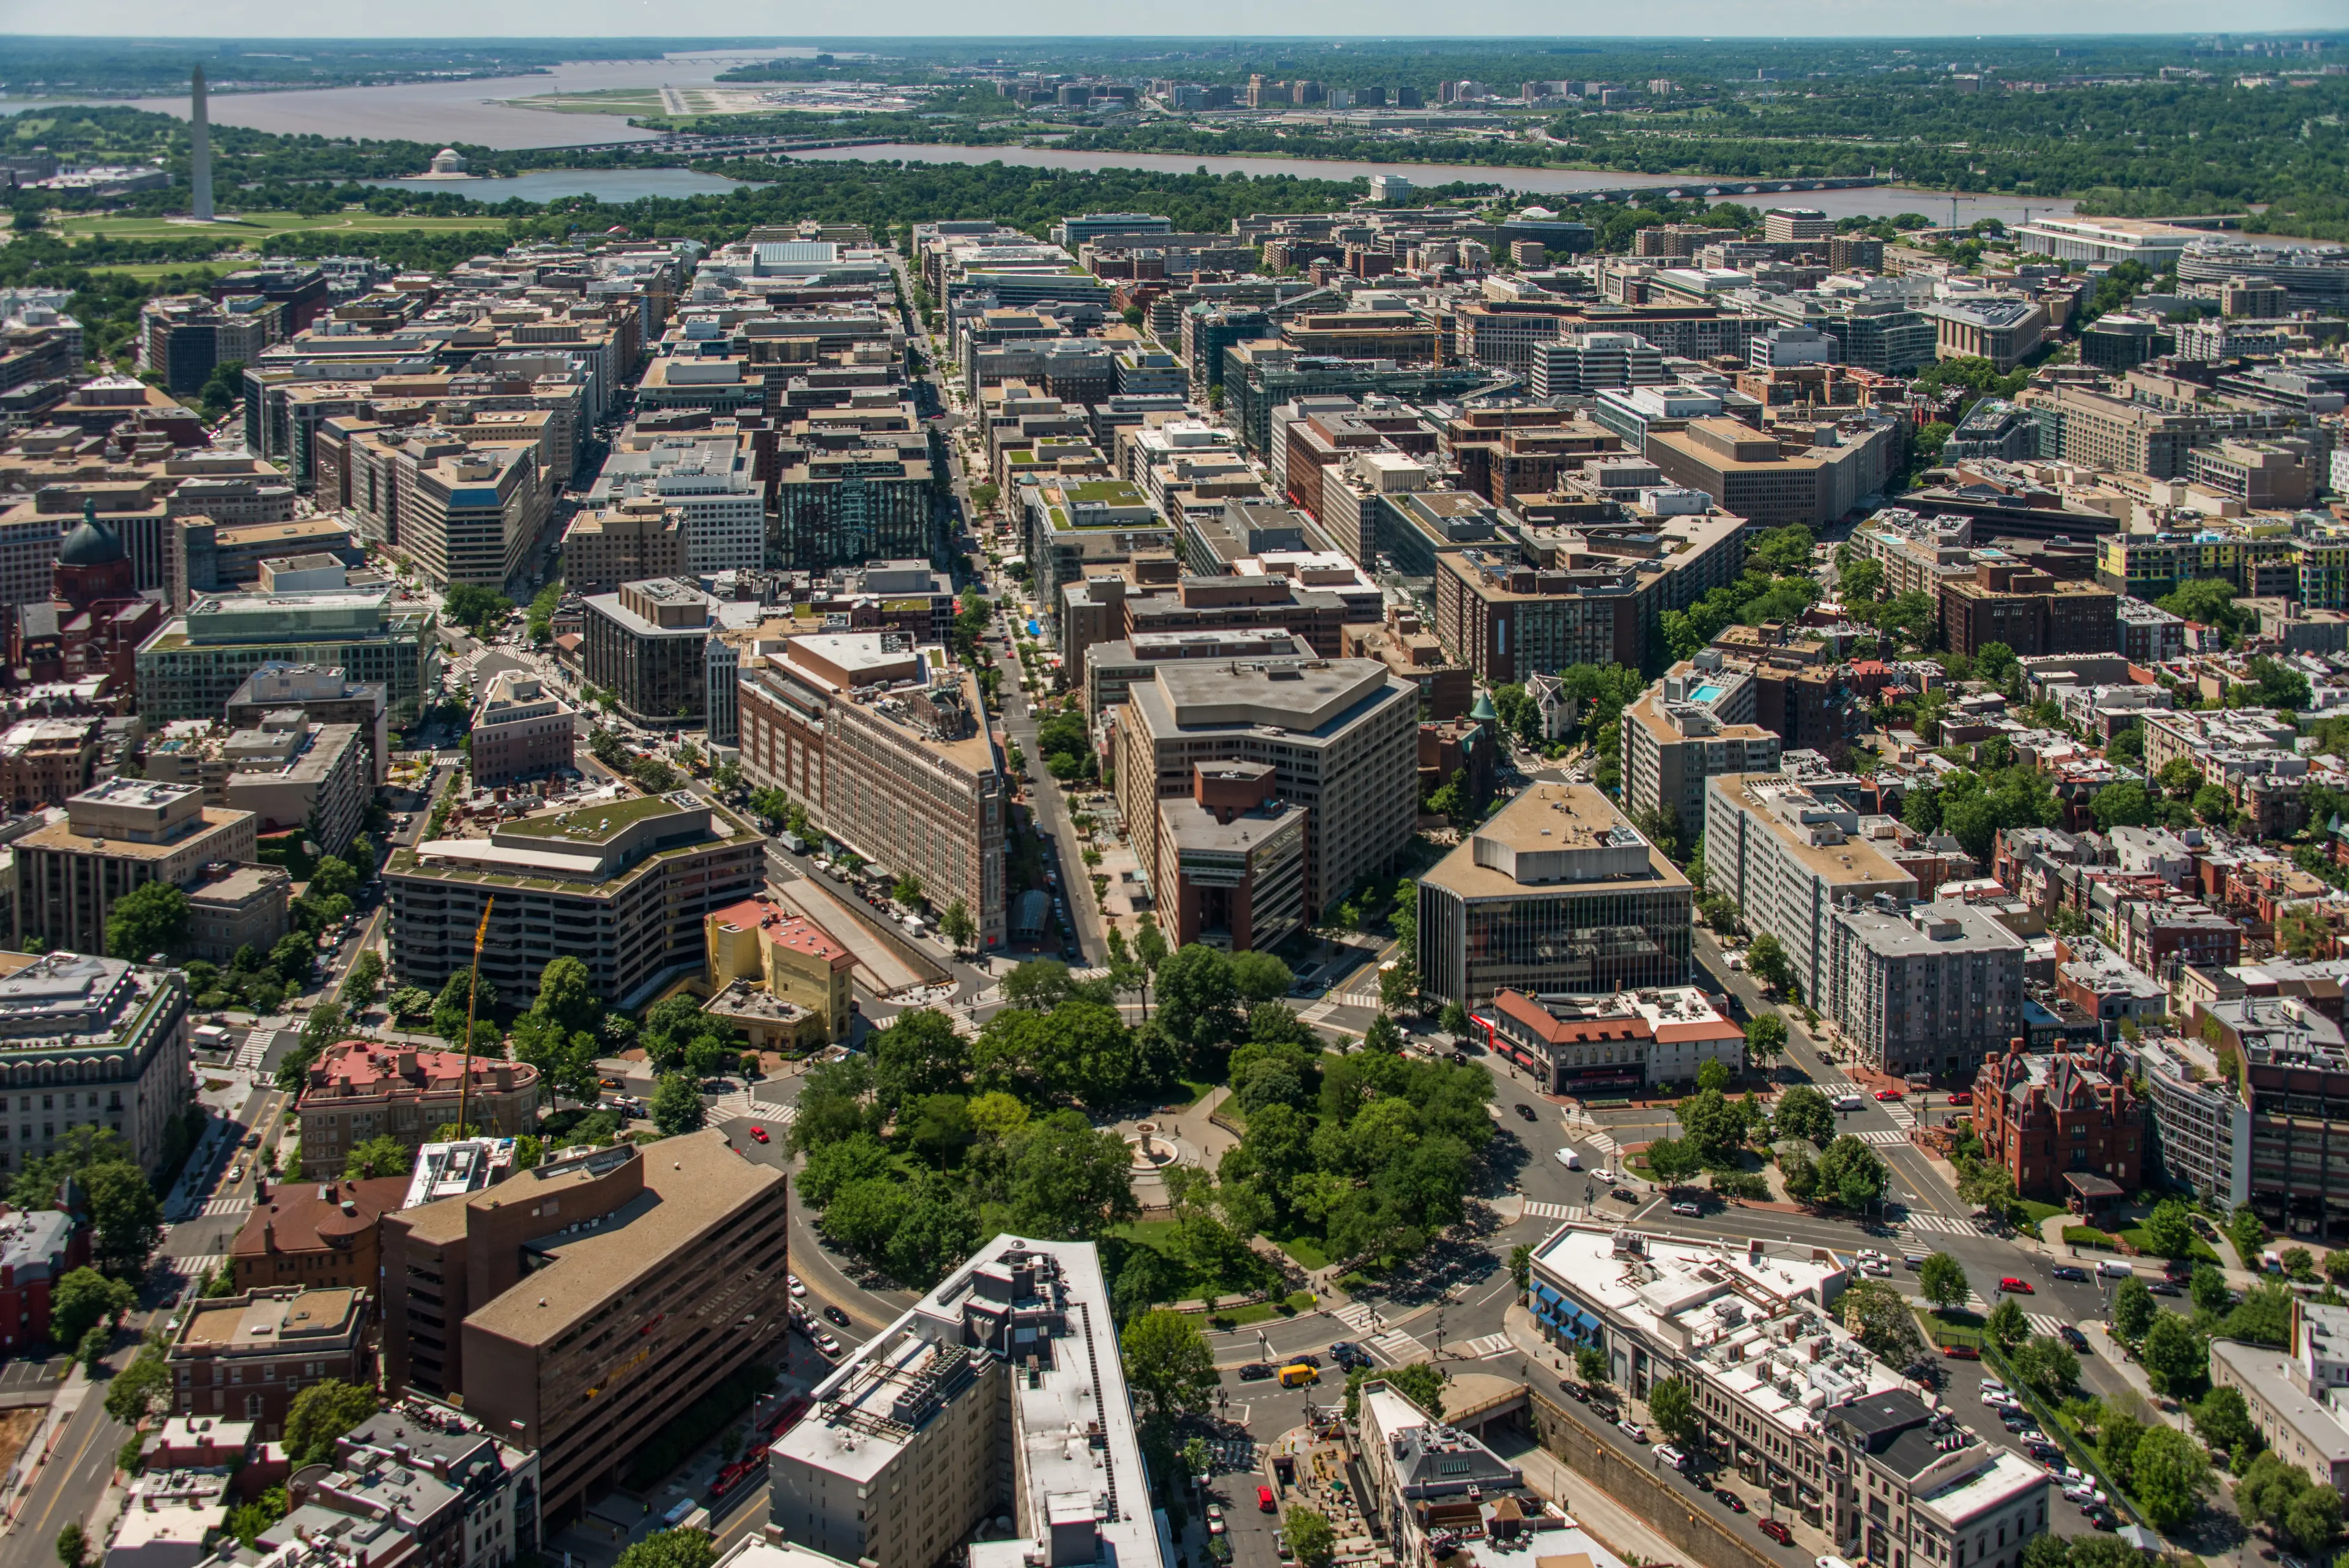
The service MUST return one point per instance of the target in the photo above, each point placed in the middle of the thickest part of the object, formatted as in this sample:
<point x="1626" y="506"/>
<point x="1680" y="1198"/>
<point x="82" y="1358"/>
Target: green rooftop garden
<point x="591" y="824"/>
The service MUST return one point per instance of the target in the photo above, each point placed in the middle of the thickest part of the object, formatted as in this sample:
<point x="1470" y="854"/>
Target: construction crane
<point x="472" y="992"/>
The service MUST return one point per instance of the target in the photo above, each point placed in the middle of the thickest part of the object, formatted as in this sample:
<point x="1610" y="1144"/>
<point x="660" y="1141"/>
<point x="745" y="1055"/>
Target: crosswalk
<point x="192" y="1269"/>
<point x="1485" y="1348"/>
<point x="1399" y="1348"/>
<point x="1356" y="1315"/>
<point x="1883" y="1138"/>
<point x="1604" y="1147"/>
<point x="1537" y="1210"/>
<point x="1941" y="1224"/>
<point x="227" y="1208"/>
<point x="256" y="1046"/>
<point x="735" y="1103"/>
<point x="2044" y="1322"/>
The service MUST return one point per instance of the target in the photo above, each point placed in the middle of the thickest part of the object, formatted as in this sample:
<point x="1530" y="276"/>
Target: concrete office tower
<point x="199" y="154"/>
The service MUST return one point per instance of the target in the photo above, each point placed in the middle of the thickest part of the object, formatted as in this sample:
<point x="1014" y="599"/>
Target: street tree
<point x="1673" y="1408"/>
<point x="677" y="1105"/>
<point x="1943" y="1281"/>
<point x="1168" y="1366"/>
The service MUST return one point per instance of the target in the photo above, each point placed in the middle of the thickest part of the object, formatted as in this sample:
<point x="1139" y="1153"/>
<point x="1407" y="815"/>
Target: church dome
<point x="91" y="544"/>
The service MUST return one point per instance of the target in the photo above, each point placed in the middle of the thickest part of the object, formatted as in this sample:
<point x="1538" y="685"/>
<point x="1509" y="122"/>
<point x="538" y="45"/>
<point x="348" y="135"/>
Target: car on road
<point x="2163" y="1288"/>
<point x="1349" y="1354"/>
<point x="826" y="1342"/>
<point x="1633" y="1430"/>
<point x="1257" y="1372"/>
<point x="1621" y="1194"/>
<point x="2015" y="1287"/>
<point x="1312" y="1361"/>
<point x="1687" y="1211"/>
<point x="1887" y="1094"/>
<point x="1729" y="1499"/>
<point x="1527" y="1112"/>
<point x="834" y="1314"/>
<point x="1672" y="1455"/>
<point x="758" y="1133"/>
<point x="1569" y="1158"/>
<point x="1214" y="1520"/>
<point x="1604" y="1176"/>
<point x="1264" y="1503"/>
<point x="2066" y="1271"/>
<point x="791" y="1283"/>
<point x="2072" y="1337"/>
<point x="1962" y="1097"/>
<point x="1775" y="1531"/>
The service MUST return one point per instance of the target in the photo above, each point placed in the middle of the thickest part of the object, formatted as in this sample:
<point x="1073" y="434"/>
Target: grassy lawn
<point x="2035" y="1212"/>
<point x="259" y="226"/>
<point x="2200" y="1250"/>
<point x="1307" y="1251"/>
<point x="1149" y="1233"/>
<point x="1959" y="1328"/>
<point x="1193" y="1093"/>
<point x="1240" y="1317"/>
<point x="603" y="101"/>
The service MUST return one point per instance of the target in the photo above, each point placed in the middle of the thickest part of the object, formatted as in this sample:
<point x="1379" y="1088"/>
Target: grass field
<point x="231" y="232"/>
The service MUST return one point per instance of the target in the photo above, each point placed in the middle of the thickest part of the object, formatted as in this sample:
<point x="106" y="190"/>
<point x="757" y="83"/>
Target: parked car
<point x="1264" y="1502"/>
<point x="1672" y="1455"/>
<point x="2163" y="1288"/>
<point x="1960" y="1352"/>
<point x="826" y="1342"/>
<point x="1687" y="1211"/>
<point x="1729" y="1499"/>
<point x="1962" y="1096"/>
<point x="1775" y="1531"/>
<point x="1214" y="1520"/>
<point x="793" y="1282"/>
<point x="2015" y="1287"/>
<point x="1633" y="1430"/>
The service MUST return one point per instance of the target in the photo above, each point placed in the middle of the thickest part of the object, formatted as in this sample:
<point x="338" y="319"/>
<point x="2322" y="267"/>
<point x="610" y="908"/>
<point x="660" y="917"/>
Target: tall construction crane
<point x="472" y="992"/>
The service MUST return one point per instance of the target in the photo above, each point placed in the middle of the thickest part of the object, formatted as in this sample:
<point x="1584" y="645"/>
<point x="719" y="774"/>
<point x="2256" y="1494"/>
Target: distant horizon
<point x="147" y="22"/>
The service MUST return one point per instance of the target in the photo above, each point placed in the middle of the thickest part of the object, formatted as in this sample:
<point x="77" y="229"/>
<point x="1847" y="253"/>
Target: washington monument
<point x="199" y="155"/>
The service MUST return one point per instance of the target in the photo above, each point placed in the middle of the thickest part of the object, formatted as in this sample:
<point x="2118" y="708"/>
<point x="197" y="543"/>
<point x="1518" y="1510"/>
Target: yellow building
<point x="777" y="976"/>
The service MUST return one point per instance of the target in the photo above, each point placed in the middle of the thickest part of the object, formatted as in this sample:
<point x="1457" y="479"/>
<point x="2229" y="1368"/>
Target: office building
<point x="1751" y="475"/>
<point x="640" y="538"/>
<point x="356" y="1091"/>
<point x="619" y="881"/>
<point x="1786" y="856"/>
<point x="321" y="696"/>
<point x="888" y="749"/>
<point x="1340" y="736"/>
<point x="961" y="1410"/>
<point x="583" y="1304"/>
<point x="2053" y="1120"/>
<point x="705" y="481"/>
<point x="209" y="553"/>
<point x="1236" y="855"/>
<point x="237" y="907"/>
<point x="473" y="516"/>
<point x="290" y="774"/>
<point x="114" y="836"/>
<point x="788" y="962"/>
<point x="192" y="668"/>
<point x="1593" y="361"/>
<point x="841" y="507"/>
<point x="521" y="730"/>
<point x="2003" y="329"/>
<point x="1786" y="225"/>
<point x="647" y="645"/>
<point x="1927" y="989"/>
<point x="115" y="1032"/>
<point x="2200" y="1127"/>
<point x="1555" y="893"/>
<point x="1621" y="1043"/>
<point x="1674" y="738"/>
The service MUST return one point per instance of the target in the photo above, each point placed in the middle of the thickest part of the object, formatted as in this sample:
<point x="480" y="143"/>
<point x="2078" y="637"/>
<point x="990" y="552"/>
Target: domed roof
<point x="91" y="544"/>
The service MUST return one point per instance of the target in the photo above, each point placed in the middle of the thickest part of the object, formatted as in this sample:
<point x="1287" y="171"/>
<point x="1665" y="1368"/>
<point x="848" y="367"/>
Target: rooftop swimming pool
<point x="1704" y="693"/>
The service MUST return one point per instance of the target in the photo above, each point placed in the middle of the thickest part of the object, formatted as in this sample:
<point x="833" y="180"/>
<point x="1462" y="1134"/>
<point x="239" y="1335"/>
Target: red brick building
<point x="37" y="1248"/>
<point x="2048" y="1118"/>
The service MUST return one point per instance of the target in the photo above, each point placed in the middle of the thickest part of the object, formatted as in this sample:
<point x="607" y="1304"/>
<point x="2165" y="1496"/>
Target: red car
<point x="1264" y="1499"/>
<point x="1962" y="1096"/>
<point x="758" y="1133"/>
<point x="1887" y="1094"/>
<point x="1775" y="1531"/>
<point x="2016" y="1287"/>
<point x="1960" y="1352"/>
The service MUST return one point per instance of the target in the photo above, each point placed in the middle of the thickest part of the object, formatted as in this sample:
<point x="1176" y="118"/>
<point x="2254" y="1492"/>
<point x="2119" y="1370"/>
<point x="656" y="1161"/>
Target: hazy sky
<point x="1208" y="18"/>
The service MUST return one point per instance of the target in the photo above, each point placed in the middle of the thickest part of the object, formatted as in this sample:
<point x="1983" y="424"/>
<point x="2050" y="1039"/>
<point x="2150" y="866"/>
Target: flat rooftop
<point x="1544" y="821"/>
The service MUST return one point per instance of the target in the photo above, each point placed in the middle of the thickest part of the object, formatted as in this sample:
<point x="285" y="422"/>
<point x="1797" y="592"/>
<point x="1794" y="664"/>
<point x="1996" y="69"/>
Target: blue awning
<point x="1543" y="1293"/>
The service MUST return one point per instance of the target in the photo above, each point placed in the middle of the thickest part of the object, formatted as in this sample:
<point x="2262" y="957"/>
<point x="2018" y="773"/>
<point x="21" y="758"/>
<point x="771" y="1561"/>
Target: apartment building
<point x="42" y="760"/>
<point x="2200" y="1127"/>
<point x="1926" y="989"/>
<point x="322" y="1235"/>
<point x="1901" y="1471"/>
<point x="888" y="749"/>
<point x="933" y="1425"/>
<point x="244" y="1358"/>
<point x="471" y="1501"/>
<point x="1674" y="740"/>
<point x="115" y="836"/>
<point x="287" y="772"/>
<point x="2028" y="611"/>
<point x="618" y="880"/>
<point x="1340" y="736"/>
<point x="521" y="730"/>
<point x="356" y="1091"/>
<point x="646" y="645"/>
<point x="1555" y="893"/>
<point x="673" y="1256"/>
<point x="634" y="539"/>
<point x="107" y="1045"/>
<point x="1786" y="856"/>
<point x="1593" y="361"/>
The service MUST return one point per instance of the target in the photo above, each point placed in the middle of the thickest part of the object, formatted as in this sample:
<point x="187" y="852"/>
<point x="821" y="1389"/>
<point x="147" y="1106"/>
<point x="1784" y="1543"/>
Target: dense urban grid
<point x="936" y="864"/>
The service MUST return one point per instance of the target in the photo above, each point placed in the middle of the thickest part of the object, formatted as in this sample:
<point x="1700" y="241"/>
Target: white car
<point x="1214" y="1520"/>
<point x="1603" y="1175"/>
<point x="791" y="1281"/>
<point x="826" y="1342"/>
<point x="1672" y="1455"/>
<point x="1633" y="1430"/>
<point x="1687" y="1211"/>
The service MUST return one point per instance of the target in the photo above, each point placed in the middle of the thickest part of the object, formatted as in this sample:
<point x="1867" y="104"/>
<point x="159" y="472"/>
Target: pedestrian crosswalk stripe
<point x="1534" y="1210"/>
<point x="2044" y="1322"/>
<point x="192" y="1268"/>
<point x="1883" y="1137"/>
<point x="1490" y="1345"/>
<point x="1925" y="1220"/>
<point x="1399" y="1348"/>
<point x="227" y="1208"/>
<point x="1356" y="1315"/>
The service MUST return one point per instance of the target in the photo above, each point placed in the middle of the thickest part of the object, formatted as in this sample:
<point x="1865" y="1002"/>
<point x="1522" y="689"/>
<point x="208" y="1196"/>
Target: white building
<point x="1926" y="988"/>
<point x="1631" y="1039"/>
<point x="1785" y="855"/>
<point x="962" y="1411"/>
<point x="1909" y="1484"/>
<point x="2202" y="1127"/>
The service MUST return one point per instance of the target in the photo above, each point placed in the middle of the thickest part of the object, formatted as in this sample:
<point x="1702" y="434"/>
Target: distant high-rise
<point x="199" y="155"/>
